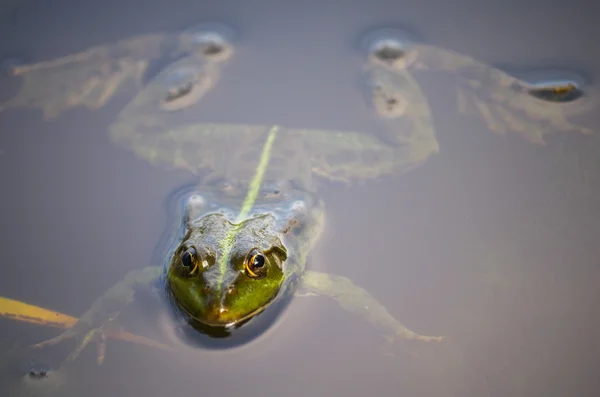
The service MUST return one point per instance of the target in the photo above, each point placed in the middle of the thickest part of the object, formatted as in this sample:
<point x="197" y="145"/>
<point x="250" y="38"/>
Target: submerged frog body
<point x="244" y="241"/>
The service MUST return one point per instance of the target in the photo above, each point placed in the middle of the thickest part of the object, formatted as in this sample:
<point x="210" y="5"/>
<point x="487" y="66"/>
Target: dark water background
<point x="493" y="242"/>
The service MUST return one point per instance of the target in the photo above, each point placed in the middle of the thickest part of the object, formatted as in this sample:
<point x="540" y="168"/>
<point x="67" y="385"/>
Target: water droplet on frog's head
<point x="194" y="207"/>
<point x="196" y="199"/>
<point x="299" y="206"/>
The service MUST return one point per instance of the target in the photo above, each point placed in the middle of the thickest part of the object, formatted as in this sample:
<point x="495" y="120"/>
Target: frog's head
<point x="222" y="273"/>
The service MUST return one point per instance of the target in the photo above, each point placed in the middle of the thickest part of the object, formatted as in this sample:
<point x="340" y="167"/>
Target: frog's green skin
<point x="149" y="128"/>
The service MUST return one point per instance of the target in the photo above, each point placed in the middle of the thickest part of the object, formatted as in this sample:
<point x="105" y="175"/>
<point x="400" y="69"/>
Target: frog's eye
<point x="189" y="260"/>
<point x="255" y="264"/>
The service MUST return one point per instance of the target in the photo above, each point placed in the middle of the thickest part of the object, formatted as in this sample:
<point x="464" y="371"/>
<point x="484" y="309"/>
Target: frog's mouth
<point x="215" y="317"/>
<point x="202" y="331"/>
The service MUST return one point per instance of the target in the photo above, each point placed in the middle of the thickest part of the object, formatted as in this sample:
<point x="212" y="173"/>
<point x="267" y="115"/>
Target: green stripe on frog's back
<point x="253" y="189"/>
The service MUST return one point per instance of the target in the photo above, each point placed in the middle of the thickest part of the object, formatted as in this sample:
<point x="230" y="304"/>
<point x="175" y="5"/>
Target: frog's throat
<point x="227" y="242"/>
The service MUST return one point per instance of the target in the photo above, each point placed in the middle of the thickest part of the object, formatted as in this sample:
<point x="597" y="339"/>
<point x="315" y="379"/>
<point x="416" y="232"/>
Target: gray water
<point x="493" y="242"/>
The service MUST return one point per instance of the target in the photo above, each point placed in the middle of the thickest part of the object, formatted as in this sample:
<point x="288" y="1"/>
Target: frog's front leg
<point x="355" y="299"/>
<point x="104" y="312"/>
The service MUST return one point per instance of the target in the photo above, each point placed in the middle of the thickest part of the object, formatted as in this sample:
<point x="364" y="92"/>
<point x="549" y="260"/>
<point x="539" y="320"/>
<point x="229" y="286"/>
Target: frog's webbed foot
<point x="358" y="301"/>
<point x="101" y="319"/>
<point x="405" y="333"/>
<point x="92" y="327"/>
<point x="87" y="79"/>
<point x="97" y="335"/>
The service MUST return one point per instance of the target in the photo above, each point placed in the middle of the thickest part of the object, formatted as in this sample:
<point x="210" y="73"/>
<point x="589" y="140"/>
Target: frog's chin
<point x="197" y="332"/>
<point x="233" y="323"/>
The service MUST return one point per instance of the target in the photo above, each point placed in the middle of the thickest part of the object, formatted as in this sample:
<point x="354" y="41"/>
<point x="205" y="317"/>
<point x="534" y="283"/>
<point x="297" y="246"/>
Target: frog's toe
<point x="431" y="338"/>
<point x="68" y="334"/>
<point x="97" y="335"/>
<point x="405" y="333"/>
<point x="101" y="348"/>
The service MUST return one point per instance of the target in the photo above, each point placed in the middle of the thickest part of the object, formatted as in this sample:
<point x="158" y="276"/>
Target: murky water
<point x="492" y="242"/>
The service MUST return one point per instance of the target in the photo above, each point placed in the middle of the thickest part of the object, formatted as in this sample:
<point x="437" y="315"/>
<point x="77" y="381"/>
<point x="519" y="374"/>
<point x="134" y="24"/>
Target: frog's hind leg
<point x="358" y="301"/>
<point x="102" y="317"/>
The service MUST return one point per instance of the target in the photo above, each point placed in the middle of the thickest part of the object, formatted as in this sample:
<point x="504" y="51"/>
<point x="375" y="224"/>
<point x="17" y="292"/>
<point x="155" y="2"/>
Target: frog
<point x="248" y="228"/>
<point x="236" y="254"/>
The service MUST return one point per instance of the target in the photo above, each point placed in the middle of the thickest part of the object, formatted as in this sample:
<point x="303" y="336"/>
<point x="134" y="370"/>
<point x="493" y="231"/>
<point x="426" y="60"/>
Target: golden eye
<point x="189" y="260"/>
<point x="255" y="264"/>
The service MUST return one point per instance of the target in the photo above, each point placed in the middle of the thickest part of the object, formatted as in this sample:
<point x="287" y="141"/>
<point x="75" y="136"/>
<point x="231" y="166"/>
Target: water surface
<point x="493" y="242"/>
